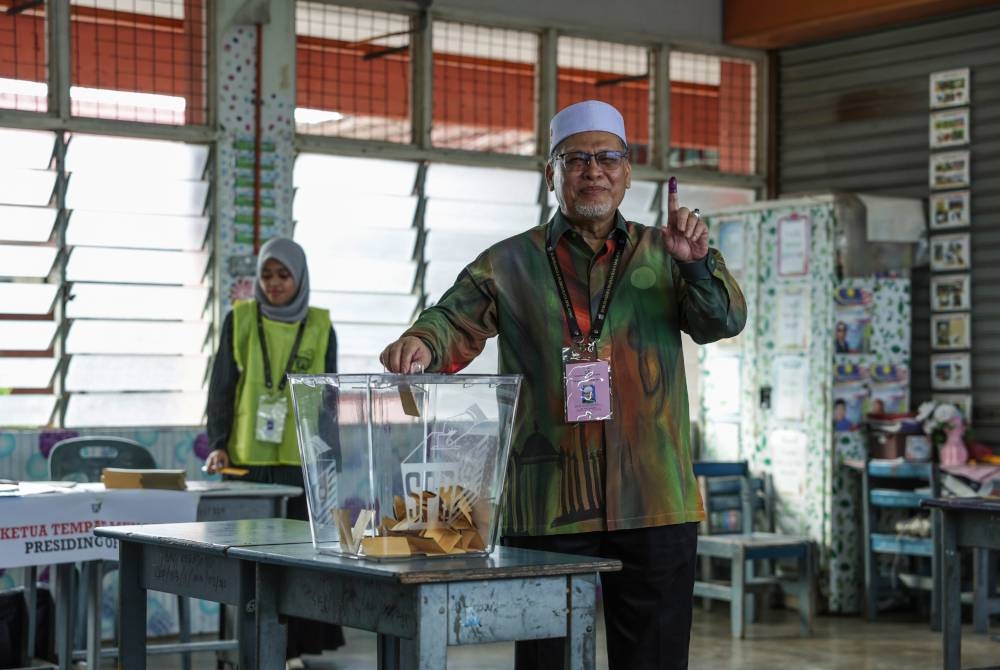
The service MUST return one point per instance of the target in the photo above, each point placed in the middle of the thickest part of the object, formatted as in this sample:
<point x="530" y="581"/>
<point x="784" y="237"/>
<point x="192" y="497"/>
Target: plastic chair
<point x="86" y="457"/>
<point x="742" y="549"/>
<point x="83" y="459"/>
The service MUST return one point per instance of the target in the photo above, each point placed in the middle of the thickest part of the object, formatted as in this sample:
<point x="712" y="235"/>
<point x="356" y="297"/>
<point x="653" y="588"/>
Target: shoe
<point x="295" y="664"/>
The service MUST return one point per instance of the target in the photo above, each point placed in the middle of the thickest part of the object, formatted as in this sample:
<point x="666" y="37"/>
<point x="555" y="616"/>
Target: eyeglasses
<point x="578" y="161"/>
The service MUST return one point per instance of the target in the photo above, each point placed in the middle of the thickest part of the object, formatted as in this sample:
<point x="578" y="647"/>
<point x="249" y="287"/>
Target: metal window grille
<point x="23" y="72"/>
<point x="139" y="60"/>
<point x="353" y="73"/>
<point x="484" y="88"/>
<point x="713" y="113"/>
<point x="618" y="74"/>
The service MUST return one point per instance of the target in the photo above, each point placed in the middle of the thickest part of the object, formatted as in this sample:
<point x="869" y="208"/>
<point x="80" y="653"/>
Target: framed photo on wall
<point x="950" y="293"/>
<point x="949" y="128"/>
<point x="950" y="209"/>
<point x="951" y="371"/>
<point x="950" y="331"/>
<point x="950" y="88"/>
<point x="950" y="170"/>
<point x="950" y="252"/>
<point x="963" y="401"/>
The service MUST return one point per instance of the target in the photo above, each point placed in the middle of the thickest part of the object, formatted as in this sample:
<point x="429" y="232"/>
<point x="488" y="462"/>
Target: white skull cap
<point x="586" y="116"/>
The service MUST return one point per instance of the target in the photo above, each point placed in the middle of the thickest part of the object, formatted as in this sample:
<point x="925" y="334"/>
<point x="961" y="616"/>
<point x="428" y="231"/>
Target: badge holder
<point x="586" y="384"/>
<point x="271" y="414"/>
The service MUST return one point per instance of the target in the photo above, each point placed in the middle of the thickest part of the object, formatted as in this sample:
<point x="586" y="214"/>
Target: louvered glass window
<point x="29" y="277"/>
<point x="468" y="209"/>
<point x="355" y="219"/>
<point x="137" y="342"/>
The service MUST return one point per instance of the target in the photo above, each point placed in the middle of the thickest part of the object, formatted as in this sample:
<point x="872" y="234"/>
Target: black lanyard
<point x="597" y="322"/>
<point x="268" y="382"/>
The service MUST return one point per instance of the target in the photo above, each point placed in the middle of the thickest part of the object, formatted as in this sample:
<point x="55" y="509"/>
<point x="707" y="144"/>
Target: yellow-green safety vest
<point x="244" y="448"/>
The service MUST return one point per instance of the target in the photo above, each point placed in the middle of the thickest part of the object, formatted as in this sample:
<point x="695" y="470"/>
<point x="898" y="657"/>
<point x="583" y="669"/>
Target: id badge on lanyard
<point x="272" y="406"/>
<point x="586" y="377"/>
<point x="586" y="384"/>
<point x="272" y="410"/>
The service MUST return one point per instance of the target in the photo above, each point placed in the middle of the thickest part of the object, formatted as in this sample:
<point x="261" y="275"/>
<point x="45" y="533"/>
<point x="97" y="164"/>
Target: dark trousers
<point x="647" y="606"/>
<point x="304" y="635"/>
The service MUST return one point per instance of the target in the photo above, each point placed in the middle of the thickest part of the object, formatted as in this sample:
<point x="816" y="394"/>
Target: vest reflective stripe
<point x="244" y="448"/>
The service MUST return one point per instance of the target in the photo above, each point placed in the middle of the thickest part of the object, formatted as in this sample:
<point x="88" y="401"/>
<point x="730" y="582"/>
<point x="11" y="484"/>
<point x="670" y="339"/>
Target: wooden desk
<point x="417" y="607"/>
<point x="965" y="522"/>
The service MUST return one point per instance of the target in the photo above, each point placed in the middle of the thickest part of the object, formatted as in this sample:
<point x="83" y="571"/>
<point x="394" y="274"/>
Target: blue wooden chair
<point x="744" y="548"/>
<point x="84" y="459"/>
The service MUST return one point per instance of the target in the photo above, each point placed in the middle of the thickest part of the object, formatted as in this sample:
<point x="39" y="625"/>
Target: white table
<point x="204" y="501"/>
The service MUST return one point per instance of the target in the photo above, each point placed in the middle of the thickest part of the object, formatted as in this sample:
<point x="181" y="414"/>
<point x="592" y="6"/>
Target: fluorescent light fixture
<point x="309" y="116"/>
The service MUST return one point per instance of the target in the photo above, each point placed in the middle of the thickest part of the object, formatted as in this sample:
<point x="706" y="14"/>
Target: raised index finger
<point x="672" y="203"/>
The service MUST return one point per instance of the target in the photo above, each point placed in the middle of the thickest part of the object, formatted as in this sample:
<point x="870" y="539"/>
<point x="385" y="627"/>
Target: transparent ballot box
<point x="400" y="466"/>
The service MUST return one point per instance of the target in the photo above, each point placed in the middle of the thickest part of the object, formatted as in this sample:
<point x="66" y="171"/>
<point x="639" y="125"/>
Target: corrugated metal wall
<point x="853" y="116"/>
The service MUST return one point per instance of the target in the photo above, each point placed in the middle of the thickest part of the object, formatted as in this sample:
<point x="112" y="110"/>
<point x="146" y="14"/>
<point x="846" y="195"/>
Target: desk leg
<point x="95" y="579"/>
<point x="952" y="591"/>
<point x="64" y="615"/>
<point x="429" y="649"/>
<point x="937" y="574"/>
<point x="184" y="628"/>
<point x="981" y="590"/>
<point x="581" y="639"/>
<point x="31" y="597"/>
<point x="387" y="652"/>
<point x="132" y="608"/>
<point x="271" y="632"/>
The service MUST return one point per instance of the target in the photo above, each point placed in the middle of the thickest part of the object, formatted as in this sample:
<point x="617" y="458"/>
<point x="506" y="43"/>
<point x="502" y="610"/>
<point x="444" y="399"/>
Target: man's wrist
<point x="697" y="269"/>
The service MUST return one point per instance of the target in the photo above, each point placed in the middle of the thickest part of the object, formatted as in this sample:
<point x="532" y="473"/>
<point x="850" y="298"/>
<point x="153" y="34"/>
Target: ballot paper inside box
<point x="404" y="466"/>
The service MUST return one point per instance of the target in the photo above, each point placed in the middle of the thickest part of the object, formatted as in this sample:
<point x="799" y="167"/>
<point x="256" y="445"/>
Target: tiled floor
<point x="840" y="643"/>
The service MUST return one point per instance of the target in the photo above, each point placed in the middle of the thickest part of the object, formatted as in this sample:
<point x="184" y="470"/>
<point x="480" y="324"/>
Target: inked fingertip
<point x="672" y="185"/>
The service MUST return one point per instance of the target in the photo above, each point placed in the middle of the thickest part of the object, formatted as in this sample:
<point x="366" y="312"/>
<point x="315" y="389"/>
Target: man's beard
<point x="596" y="210"/>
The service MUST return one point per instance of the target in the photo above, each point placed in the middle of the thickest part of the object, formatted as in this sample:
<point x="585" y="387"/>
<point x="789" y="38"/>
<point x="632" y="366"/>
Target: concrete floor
<point x="894" y="642"/>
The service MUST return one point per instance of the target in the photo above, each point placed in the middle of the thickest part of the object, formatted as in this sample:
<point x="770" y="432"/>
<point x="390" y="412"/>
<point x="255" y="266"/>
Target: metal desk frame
<point x="417" y="607"/>
<point x="965" y="522"/>
<point x="219" y="501"/>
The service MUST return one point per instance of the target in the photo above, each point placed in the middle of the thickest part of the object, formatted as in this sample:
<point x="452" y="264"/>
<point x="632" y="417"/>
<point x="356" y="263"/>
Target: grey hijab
<point x="291" y="255"/>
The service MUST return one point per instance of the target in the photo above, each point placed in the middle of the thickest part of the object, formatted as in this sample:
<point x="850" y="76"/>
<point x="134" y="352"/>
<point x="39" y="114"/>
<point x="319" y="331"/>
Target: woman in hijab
<point x="250" y="418"/>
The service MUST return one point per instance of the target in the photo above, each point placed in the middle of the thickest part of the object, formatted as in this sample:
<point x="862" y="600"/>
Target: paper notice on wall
<point x="788" y="453"/>
<point x="793" y="245"/>
<point x="793" y="318"/>
<point x="791" y="378"/>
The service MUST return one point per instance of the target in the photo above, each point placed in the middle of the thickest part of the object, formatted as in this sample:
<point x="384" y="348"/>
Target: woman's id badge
<point x="271" y="413"/>
<point x="588" y="390"/>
